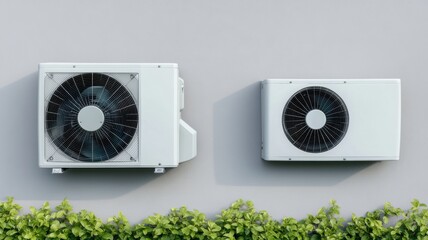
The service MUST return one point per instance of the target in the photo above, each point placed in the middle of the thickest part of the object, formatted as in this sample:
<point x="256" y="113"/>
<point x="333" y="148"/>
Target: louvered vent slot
<point x="91" y="117"/>
<point x="315" y="119"/>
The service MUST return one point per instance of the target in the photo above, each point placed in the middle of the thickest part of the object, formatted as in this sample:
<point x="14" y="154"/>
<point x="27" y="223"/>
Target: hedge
<point x="240" y="221"/>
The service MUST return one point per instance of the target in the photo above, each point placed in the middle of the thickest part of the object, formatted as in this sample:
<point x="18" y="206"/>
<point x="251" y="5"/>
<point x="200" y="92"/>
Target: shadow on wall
<point x="20" y="175"/>
<point x="237" y="140"/>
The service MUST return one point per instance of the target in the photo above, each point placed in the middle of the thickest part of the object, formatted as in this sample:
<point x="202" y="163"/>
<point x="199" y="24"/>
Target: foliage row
<point x="240" y="221"/>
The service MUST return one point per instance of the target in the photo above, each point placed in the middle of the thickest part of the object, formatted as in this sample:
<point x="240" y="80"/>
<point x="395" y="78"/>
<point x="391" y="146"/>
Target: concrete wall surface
<point x="223" y="48"/>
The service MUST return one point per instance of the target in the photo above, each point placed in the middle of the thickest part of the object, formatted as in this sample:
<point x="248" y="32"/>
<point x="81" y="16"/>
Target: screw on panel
<point x="344" y="81"/>
<point x="132" y="76"/>
<point x="289" y="159"/>
<point x="159" y="66"/>
<point x="74" y="66"/>
<point x="132" y="159"/>
<point x="291" y="82"/>
<point x="49" y="75"/>
<point x="344" y="159"/>
<point x="50" y="158"/>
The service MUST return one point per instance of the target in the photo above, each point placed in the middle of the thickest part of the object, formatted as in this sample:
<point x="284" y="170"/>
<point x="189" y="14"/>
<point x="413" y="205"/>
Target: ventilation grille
<point x="315" y="119"/>
<point x="91" y="117"/>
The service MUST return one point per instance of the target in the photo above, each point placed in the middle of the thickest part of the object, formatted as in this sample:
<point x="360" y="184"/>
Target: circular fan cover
<point x="86" y="97"/>
<point x="315" y="119"/>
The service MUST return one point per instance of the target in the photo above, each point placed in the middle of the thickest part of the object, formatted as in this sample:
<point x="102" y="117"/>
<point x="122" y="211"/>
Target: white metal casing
<point x="159" y="102"/>
<point x="374" y="107"/>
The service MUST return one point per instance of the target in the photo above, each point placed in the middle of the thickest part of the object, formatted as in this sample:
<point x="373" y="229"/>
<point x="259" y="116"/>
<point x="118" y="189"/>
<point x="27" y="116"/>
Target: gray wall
<point x="224" y="48"/>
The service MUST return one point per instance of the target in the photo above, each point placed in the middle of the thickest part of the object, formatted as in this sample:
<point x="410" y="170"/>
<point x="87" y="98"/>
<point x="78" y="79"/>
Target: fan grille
<point x="296" y="120"/>
<point x="98" y="91"/>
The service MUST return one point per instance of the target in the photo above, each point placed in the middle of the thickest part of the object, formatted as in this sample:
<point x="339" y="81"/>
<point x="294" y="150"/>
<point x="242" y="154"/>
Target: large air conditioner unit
<point x="330" y="119"/>
<point x="109" y="115"/>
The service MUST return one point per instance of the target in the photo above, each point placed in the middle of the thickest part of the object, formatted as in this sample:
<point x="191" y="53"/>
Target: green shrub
<point x="9" y="219"/>
<point x="240" y="221"/>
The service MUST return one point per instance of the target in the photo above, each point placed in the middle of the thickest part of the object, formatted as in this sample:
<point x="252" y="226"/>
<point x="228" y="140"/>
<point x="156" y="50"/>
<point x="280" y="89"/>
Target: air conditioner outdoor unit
<point x="330" y="119"/>
<point x="109" y="115"/>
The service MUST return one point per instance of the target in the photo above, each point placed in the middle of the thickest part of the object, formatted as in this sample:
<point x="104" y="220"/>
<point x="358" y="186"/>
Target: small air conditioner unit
<point x="330" y="119"/>
<point x="108" y="115"/>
